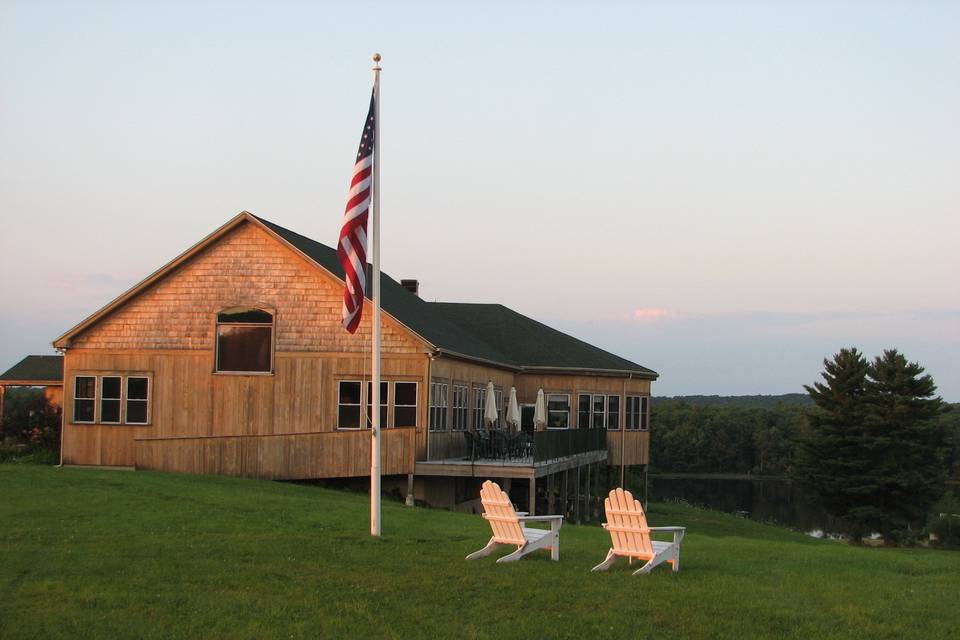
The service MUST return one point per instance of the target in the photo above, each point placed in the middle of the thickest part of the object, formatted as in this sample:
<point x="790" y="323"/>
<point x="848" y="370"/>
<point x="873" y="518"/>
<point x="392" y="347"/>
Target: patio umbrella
<point x="490" y="410"/>
<point x="513" y="410"/>
<point x="540" y="410"/>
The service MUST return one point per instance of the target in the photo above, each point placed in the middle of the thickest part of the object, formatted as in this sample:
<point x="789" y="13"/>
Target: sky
<point x="725" y="192"/>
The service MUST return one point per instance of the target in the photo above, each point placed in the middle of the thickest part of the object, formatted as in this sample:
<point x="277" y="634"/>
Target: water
<point x="765" y="499"/>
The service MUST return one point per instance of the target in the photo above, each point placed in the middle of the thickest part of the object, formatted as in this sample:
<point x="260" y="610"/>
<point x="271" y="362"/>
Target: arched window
<point x="244" y="341"/>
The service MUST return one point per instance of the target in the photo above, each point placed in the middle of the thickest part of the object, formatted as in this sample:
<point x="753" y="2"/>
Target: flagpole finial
<point x="376" y="62"/>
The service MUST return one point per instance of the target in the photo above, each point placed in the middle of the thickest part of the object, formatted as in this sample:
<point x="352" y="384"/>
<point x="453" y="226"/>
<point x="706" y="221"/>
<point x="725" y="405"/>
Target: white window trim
<point x="149" y="400"/>
<point x="368" y="391"/>
<point x="100" y="399"/>
<point x="339" y="404"/>
<point x="479" y="406"/>
<point x="620" y="421"/>
<point x="593" y="403"/>
<point x="640" y="414"/>
<point x="445" y="398"/>
<point x="465" y="407"/>
<point x="96" y="390"/>
<point x="547" y="402"/>
<point x="589" y="395"/>
<point x="416" y="398"/>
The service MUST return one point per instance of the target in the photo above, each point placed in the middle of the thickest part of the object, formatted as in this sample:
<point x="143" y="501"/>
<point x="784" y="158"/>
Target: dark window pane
<point x="406" y="393"/>
<point x="348" y="417"/>
<point x="557" y="403"/>
<point x="137" y="388"/>
<point x="349" y="392"/>
<point x="405" y="416"/>
<point x="109" y="411"/>
<point x="246" y="316"/>
<point x="111" y="387"/>
<point x="83" y="410"/>
<point x="558" y="419"/>
<point x="241" y="348"/>
<point x="136" y="411"/>
<point x="86" y="387"/>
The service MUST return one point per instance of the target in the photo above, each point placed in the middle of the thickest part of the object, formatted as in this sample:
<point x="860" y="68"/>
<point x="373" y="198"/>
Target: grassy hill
<point x="94" y="553"/>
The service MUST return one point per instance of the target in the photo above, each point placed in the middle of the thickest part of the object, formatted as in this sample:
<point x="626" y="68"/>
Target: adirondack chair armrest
<point x="540" y="518"/>
<point x="678" y="532"/>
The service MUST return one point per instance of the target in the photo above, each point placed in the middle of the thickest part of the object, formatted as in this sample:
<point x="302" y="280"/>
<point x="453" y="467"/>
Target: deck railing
<point x="518" y="448"/>
<point x="562" y="443"/>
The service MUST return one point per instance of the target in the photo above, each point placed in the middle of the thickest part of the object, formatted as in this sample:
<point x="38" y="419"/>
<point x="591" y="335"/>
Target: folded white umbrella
<point x="540" y="410"/>
<point x="490" y="410"/>
<point x="513" y="410"/>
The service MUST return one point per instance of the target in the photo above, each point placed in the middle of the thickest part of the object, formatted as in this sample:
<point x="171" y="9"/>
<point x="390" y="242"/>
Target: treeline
<point x="745" y="434"/>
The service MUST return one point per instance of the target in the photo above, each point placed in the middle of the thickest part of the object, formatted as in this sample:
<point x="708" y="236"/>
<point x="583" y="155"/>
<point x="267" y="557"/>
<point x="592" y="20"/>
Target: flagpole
<point x="375" y="409"/>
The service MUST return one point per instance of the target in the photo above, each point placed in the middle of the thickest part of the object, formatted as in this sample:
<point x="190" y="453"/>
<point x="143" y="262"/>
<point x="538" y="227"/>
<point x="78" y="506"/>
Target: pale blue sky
<point x="724" y="192"/>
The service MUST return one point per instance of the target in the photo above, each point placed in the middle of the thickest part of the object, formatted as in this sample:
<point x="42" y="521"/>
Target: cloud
<point x="650" y="314"/>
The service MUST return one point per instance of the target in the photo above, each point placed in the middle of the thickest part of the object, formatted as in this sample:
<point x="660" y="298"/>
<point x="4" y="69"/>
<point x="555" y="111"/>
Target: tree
<point x="907" y="445"/>
<point x="874" y="457"/>
<point x="831" y="463"/>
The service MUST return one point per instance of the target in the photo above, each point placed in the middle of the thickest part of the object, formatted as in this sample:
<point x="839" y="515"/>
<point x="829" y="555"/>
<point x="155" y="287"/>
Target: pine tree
<point x="906" y="444"/>
<point x="831" y="463"/>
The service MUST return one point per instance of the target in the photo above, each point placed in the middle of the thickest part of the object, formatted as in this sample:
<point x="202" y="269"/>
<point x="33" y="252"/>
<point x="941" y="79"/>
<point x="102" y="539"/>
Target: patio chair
<point x="631" y="537"/>
<point x="509" y="527"/>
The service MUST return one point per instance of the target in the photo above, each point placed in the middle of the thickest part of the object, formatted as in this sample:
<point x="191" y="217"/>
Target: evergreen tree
<point x="832" y="465"/>
<point x="906" y="444"/>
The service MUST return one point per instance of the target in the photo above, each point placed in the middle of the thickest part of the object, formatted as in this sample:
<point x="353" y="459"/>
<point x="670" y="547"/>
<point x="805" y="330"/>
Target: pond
<point x="777" y="500"/>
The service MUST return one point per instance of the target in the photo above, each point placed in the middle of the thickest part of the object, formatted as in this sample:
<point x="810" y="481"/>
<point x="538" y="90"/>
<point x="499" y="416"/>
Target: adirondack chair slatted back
<point x="627" y="525"/>
<point x="499" y="512"/>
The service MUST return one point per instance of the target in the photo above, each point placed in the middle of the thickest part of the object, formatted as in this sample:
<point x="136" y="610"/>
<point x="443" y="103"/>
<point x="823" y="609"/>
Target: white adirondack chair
<point x="631" y="538"/>
<point x="509" y="527"/>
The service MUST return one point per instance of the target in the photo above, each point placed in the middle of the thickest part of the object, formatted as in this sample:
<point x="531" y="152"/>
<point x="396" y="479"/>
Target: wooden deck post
<point x="551" y="500"/>
<point x="589" y="505"/>
<point x="576" y="508"/>
<point x="3" y="390"/>
<point x="532" y="497"/>
<point x="566" y="491"/>
<point x="410" y="500"/>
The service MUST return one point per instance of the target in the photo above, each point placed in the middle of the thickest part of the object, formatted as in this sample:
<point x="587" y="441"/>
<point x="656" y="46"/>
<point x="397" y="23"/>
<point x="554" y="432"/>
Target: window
<point x="583" y="411"/>
<point x="599" y="411"/>
<point x="110" y="399"/>
<point x="244" y="341"/>
<point x="480" y="394"/>
<point x="638" y="412"/>
<point x="558" y="411"/>
<point x="138" y="400"/>
<point x="84" y="399"/>
<point x="498" y="400"/>
<point x="459" y="407"/>
<point x="348" y="405"/>
<point x="404" y="404"/>
<point x="384" y="389"/>
<point x="613" y="412"/>
<point x="121" y="400"/>
<point x="438" y="406"/>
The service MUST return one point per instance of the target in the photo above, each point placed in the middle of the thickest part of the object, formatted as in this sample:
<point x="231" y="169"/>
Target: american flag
<point x="352" y="248"/>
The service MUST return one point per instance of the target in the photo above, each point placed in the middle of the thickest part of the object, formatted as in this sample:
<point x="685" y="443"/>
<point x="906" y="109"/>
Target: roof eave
<point x="632" y="373"/>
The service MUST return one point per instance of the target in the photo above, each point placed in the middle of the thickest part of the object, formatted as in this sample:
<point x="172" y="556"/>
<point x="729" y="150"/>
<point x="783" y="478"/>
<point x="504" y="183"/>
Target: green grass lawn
<point x="92" y="553"/>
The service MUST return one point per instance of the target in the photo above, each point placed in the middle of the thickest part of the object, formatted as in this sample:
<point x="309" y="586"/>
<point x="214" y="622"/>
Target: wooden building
<point x="35" y="371"/>
<point x="231" y="360"/>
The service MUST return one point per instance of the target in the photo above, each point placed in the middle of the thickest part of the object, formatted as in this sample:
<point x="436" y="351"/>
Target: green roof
<point x="39" y="368"/>
<point x="485" y="332"/>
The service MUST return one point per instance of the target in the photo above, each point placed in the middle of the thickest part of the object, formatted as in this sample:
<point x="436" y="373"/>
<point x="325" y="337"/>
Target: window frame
<point x="593" y="411"/>
<point x="641" y="413"/>
<point x="96" y="390"/>
<point x="619" y="399"/>
<point x="148" y="401"/>
<point x="118" y="399"/>
<point x="359" y="404"/>
<point x="216" y="339"/>
<point x="442" y="410"/>
<point x="588" y="423"/>
<point x="384" y="404"/>
<point x="547" y="397"/>
<point x="479" y="406"/>
<point x="460" y="412"/>
<point x="416" y="402"/>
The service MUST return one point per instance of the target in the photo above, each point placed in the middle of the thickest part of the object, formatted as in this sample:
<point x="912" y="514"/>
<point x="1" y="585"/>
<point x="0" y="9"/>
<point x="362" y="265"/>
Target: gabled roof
<point x="35" y="369"/>
<point x="532" y="345"/>
<point x="487" y="333"/>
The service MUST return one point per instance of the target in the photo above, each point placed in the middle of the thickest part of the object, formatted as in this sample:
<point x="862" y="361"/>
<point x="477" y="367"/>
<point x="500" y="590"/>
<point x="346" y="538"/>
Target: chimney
<point x="413" y="286"/>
